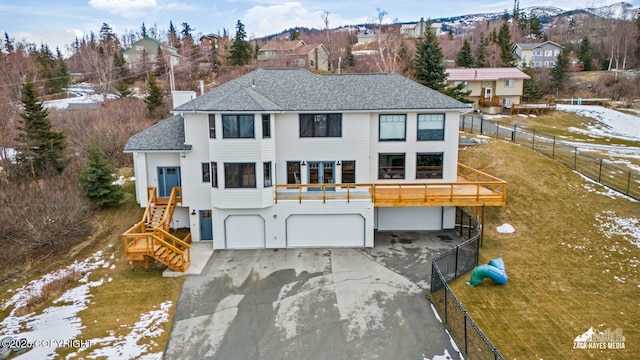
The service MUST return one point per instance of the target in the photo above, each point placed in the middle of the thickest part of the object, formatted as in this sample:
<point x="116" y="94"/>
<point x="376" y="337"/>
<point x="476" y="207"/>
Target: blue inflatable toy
<point x="494" y="271"/>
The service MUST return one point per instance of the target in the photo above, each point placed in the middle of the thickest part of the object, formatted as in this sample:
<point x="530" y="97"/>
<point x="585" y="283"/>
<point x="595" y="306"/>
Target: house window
<point x="548" y="53"/>
<point x="507" y="102"/>
<point x="206" y="173"/>
<point x="537" y="52"/>
<point x="391" y="166"/>
<point x="266" y="168"/>
<point x="214" y="174"/>
<point x="509" y="83"/>
<point x="239" y="175"/>
<point x="393" y="127"/>
<point x="348" y="172"/>
<point x="266" y="125"/>
<point x="430" y="127"/>
<point x="537" y="64"/>
<point x="212" y="126"/>
<point x="293" y="172"/>
<point x="237" y="126"/>
<point x="320" y="125"/>
<point x="429" y="165"/>
<point x="465" y="84"/>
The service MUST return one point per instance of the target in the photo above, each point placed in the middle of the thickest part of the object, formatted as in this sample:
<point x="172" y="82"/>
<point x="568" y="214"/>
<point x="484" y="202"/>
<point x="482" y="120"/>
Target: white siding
<point x="140" y="171"/>
<point x="449" y="217"/>
<point x="353" y="145"/>
<point x="409" y="218"/>
<point x="411" y="147"/>
<point x="160" y="159"/>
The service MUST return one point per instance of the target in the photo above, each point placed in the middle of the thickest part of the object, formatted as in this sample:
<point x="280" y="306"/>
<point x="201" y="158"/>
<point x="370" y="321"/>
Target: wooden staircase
<point x="150" y="238"/>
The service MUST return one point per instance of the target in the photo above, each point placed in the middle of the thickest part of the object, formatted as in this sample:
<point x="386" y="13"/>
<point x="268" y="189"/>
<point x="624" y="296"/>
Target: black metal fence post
<point x="629" y="183"/>
<point x="481" y="124"/>
<point x="600" y="172"/>
<point x="533" y="142"/>
<point x="575" y="158"/>
<point x="553" y="151"/>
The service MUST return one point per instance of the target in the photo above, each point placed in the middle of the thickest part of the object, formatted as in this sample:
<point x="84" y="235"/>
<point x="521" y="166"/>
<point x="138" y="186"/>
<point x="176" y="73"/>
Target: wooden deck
<point x="473" y="188"/>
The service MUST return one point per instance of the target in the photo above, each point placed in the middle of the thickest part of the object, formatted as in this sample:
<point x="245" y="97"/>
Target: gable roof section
<point x="298" y="90"/>
<point x="166" y="135"/>
<point x="531" y="46"/>
<point x="306" y="49"/>
<point x="281" y="45"/>
<point x="485" y="74"/>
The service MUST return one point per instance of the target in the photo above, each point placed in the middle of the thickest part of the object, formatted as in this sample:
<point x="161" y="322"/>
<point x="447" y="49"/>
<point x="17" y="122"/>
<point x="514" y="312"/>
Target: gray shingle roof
<point x="299" y="90"/>
<point x="168" y="134"/>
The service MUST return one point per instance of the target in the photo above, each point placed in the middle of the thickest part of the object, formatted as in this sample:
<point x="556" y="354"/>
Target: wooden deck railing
<point x="473" y="188"/>
<point x="490" y="101"/>
<point x="141" y="241"/>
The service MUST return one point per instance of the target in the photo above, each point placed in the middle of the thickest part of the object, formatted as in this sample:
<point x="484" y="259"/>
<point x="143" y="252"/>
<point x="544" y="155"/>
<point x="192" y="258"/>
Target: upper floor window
<point x="429" y="165"/>
<point x="393" y="127"/>
<point x="537" y="52"/>
<point x="266" y="125"/>
<point x="237" y="126"/>
<point x="293" y="172"/>
<point x="320" y="125"/>
<point x="430" y="127"/>
<point x="212" y="126"/>
<point x="548" y="53"/>
<point x="509" y="83"/>
<point x="239" y="175"/>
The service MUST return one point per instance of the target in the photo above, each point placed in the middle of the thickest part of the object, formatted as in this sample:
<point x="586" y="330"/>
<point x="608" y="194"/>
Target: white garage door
<point x="409" y="218"/>
<point x="244" y="232"/>
<point x="346" y="230"/>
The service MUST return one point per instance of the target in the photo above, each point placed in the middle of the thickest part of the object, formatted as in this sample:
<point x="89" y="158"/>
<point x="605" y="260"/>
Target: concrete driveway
<point x="313" y="304"/>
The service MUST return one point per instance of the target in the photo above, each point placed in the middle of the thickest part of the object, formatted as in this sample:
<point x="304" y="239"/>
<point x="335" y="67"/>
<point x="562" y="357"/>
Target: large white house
<point x="287" y="158"/>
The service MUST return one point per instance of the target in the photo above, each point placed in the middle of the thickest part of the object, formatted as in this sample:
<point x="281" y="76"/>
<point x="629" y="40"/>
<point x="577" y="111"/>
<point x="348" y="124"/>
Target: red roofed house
<point x="294" y="53"/>
<point x="492" y="89"/>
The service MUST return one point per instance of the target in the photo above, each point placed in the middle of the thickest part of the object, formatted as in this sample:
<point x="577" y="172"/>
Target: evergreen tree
<point x="535" y="26"/>
<point x="482" y="52"/>
<point x="458" y="92"/>
<point x="97" y="179"/>
<point x="560" y="72"/>
<point x="122" y="89"/>
<point x="62" y="77"/>
<point x="294" y="34"/>
<point x="172" y="36"/>
<point x="187" y="37"/>
<point x="351" y="59"/>
<point x="40" y="149"/>
<point x="450" y="34"/>
<point x="428" y="63"/>
<point x="506" y="46"/>
<point x="584" y="54"/>
<point x="464" y="57"/>
<point x="240" y="53"/>
<point x="121" y="64"/>
<point x="8" y="44"/>
<point x="531" y="92"/>
<point x="143" y="31"/>
<point x="154" y="97"/>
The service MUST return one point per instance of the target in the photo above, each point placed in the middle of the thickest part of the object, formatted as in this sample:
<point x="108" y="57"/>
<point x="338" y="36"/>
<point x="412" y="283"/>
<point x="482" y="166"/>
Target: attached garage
<point x="244" y="232"/>
<point x="326" y="230"/>
<point x="409" y="218"/>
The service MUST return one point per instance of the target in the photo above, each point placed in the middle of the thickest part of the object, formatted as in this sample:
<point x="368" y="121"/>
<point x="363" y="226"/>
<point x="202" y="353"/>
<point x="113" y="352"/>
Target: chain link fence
<point x="600" y="170"/>
<point x="447" y="267"/>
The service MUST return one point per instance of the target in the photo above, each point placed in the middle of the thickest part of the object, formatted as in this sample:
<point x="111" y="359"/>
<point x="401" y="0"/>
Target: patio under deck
<point x="473" y="188"/>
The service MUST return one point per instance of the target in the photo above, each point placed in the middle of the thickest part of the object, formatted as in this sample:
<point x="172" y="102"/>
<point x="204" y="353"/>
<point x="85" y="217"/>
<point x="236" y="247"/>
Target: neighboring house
<point x="209" y="42"/>
<point x="416" y="30"/>
<point x="492" y="89"/>
<point x="146" y="51"/>
<point x="294" y="53"/>
<point x="537" y="55"/>
<point x="286" y="158"/>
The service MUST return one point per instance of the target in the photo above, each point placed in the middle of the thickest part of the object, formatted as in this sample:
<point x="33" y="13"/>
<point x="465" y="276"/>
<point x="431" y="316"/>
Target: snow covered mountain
<point x="621" y="10"/>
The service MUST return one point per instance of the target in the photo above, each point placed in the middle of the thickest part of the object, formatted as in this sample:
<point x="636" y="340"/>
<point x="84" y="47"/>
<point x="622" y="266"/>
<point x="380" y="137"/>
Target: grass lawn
<point x="565" y="274"/>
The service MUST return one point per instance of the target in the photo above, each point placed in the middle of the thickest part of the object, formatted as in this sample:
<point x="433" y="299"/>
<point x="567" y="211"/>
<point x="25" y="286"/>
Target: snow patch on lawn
<point x="627" y="227"/>
<point x="505" y="229"/>
<point x="127" y="347"/>
<point x="612" y="123"/>
<point x="591" y="187"/>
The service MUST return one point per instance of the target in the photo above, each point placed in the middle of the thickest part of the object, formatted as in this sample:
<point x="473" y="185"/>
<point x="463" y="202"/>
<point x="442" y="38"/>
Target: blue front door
<point x="321" y="172"/>
<point x="206" y="225"/>
<point x="168" y="177"/>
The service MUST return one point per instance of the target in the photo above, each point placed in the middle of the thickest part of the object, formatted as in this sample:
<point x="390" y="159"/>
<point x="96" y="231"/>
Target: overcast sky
<point x="58" y="22"/>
